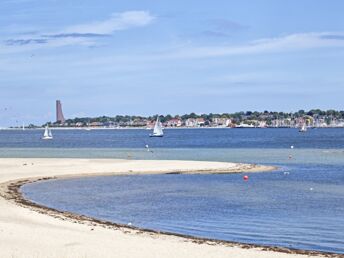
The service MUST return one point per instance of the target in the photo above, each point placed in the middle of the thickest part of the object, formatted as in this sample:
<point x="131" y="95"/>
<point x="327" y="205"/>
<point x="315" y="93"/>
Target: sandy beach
<point x="28" y="231"/>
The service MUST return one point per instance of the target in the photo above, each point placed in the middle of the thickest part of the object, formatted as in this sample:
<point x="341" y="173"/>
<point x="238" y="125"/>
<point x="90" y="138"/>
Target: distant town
<point x="248" y="119"/>
<point x="313" y="118"/>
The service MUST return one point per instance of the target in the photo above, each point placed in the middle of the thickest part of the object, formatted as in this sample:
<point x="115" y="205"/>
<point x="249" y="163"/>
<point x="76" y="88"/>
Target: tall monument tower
<point x="59" y="115"/>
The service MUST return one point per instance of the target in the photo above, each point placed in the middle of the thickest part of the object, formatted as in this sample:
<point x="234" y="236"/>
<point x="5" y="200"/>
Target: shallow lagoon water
<point x="301" y="209"/>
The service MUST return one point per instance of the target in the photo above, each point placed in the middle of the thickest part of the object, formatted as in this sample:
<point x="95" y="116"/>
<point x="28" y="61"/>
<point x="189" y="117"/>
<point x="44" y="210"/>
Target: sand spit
<point x="29" y="230"/>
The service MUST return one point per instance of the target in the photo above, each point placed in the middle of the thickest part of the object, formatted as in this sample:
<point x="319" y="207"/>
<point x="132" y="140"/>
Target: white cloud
<point x="87" y="34"/>
<point x="118" y="21"/>
<point x="290" y="42"/>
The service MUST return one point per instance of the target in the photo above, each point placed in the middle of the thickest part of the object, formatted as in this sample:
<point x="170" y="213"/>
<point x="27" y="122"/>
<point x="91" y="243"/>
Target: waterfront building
<point x="174" y="122"/>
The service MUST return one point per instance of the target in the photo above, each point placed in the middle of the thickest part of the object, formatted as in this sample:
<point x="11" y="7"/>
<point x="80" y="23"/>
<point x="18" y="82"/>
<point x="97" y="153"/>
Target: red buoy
<point x="245" y="178"/>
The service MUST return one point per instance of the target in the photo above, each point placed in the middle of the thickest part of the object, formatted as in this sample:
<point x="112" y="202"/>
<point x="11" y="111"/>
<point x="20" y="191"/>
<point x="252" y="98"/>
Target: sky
<point x="168" y="57"/>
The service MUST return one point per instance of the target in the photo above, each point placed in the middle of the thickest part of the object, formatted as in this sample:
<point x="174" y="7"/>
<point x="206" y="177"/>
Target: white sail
<point x="303" y="128"/>
<point x="157" y="131"/>
<point x="47" y="134"/>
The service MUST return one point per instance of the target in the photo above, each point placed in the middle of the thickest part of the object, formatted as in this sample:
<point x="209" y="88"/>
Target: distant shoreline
<point x="148" y="129"/>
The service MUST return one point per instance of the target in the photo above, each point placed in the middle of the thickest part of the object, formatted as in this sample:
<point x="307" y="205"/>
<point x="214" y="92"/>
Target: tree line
<point x="236" y="117"/>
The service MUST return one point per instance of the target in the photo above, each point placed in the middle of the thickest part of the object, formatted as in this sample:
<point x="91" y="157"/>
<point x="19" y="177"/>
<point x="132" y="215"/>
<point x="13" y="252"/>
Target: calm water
<point x="176" y="138"/>
<point x="302" y="209"/>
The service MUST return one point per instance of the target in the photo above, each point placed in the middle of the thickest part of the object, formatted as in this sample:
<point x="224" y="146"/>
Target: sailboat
<point x="157" y="131"/>
<point x="23" y="127"/>
<point x="47" y="134"/>
<point x="303" y="129"/>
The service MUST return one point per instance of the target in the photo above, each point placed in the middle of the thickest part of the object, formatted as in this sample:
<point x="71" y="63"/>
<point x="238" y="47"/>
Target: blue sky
<point x="168" y="57"/>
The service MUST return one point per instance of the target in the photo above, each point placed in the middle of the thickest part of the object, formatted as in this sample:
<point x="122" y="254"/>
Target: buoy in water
<point x="290" y="157"/>
<point x="245" y="178"/>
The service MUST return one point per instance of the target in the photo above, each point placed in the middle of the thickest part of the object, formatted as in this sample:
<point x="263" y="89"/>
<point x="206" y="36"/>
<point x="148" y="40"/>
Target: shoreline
<point x="10" y="190"/>
<point x="165" y="128"/>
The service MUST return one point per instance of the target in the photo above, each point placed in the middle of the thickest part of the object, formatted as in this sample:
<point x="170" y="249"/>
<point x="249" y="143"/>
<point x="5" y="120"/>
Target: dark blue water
<point x="303" y="209"/>
<point x="176" y="138"/>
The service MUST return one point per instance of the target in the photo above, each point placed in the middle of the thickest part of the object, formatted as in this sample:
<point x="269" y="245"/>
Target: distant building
<point x="194" y="122"/>
<point x="200" y="121"/>
<point x="190" y="122"/>
<point x="59" y="114"/>
<point x="224" y="122"/>
<point x="174" y="122"/>
<point x="262" y="124"/>
<point x="96" y="124"/>
<point x="150" y="124"/>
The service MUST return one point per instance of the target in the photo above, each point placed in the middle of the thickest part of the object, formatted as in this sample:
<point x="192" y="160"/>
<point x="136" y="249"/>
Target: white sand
<point x="27" y="233"/>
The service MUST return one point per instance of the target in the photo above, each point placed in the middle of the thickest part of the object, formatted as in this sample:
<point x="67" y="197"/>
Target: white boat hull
<point x="47" y="138"/>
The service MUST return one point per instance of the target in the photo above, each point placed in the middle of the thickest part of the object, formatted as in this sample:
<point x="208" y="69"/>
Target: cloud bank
<point x="292" y="42"/>
<point x="86" y="33"/>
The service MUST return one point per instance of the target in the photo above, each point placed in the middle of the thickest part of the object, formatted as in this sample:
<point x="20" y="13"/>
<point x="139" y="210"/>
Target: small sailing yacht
<point x="303" y="129"/>
<point x="157" y="131"/>
<point x="47" y="134"/>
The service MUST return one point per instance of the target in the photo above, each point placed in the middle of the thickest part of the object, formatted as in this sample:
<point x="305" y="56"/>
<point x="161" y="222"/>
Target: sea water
<point x="301" y="205"/>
